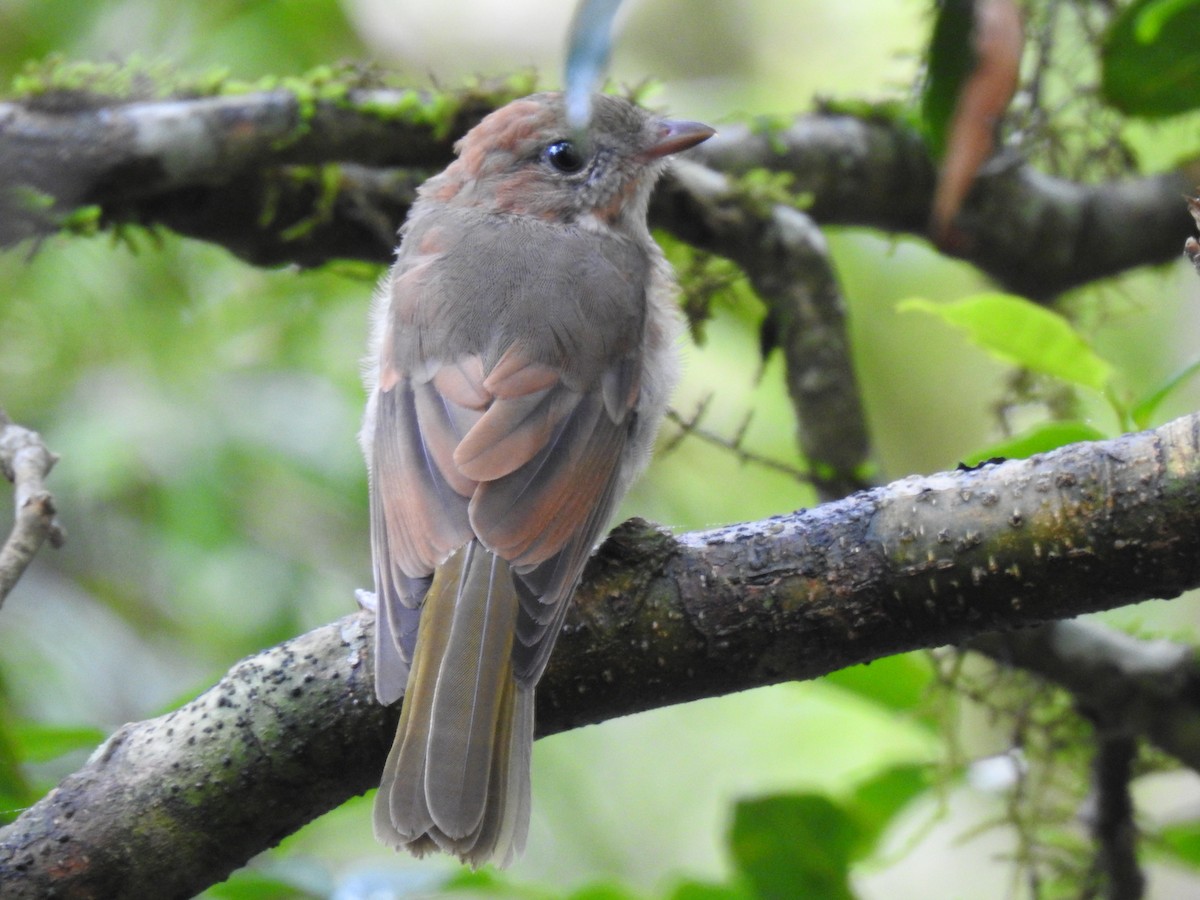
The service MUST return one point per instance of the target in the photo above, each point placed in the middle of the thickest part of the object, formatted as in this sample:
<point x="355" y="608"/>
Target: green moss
<point x="56" y="80"/>
<point x="55" y="74"/>
<point x="85" y="221"/>
<point x="520" y="84"/>
<point x="865" y="473"/>
<point x="41" y="214"/>
<point x="136" y="78"/>
<point x="29" y="198"/>
<point x="437" y="110"/>
<point x="770" y="128"/>
<point x="887" y="112"/>
<point x="822" y="471"/>
<point x="763" y="189"/>
<point x="706" y="281"/>
<point x="328" y="181"/>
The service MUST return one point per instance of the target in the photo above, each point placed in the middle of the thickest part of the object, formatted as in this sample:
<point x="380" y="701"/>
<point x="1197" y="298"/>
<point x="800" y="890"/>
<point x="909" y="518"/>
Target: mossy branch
<point x="196" y="163"/>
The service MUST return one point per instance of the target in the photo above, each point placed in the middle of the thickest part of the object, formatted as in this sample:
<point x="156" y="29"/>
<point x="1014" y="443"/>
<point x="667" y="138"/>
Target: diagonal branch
<point x="172" y="804"/>
<point x="786" y="259"/>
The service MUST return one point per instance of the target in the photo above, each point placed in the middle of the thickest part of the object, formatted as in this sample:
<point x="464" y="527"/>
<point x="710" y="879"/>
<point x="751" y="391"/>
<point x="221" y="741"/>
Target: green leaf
<point x="1019" y="331"/>
<point x="1039" y="439"/>
<point x="247" y="884"/>
<point x="603" y="891"/>
<point x="878" y="800"/>
<point x="1151" y="58"/>
<point x="15" y="790"/>
<point x="1183" y="842"/>
<point x="795" y="846"/>
<point x="699" y="890"/>
<point x="896" y="682"/>
<point x="1143" y="411"/>
<point x="492" y="883"/>
<point x="950" y="62"/>
<point x="39" y="743"/>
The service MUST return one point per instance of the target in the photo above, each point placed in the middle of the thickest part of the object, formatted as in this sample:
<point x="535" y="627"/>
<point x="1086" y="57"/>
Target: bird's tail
<point x="457" y="778"/>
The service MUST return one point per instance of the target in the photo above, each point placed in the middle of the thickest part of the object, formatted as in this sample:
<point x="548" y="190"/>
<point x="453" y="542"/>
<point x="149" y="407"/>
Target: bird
<point x="523" y="349"/>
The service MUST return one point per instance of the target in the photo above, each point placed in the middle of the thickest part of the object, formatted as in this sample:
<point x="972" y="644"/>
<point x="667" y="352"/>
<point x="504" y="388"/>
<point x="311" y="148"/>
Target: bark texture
<point x="173" y="804"/>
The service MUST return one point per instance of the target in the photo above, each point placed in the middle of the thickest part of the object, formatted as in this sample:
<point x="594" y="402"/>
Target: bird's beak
<point x="675" y="136"/>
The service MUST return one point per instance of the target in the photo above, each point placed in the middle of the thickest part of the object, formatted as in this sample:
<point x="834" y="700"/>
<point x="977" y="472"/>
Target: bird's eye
<point x="564" y="157"/>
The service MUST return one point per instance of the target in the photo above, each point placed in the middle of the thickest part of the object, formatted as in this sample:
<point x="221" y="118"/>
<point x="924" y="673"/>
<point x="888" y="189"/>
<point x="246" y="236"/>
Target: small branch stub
<point x="1191" y="247"/>
<point x="26" y="462"/>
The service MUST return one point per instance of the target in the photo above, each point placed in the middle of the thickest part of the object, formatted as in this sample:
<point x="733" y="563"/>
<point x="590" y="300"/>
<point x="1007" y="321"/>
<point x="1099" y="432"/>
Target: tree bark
<point x="170" y="805"/>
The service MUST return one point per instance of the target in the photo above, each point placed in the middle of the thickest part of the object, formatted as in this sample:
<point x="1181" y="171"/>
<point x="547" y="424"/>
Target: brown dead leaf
<point x="997" y="41"/>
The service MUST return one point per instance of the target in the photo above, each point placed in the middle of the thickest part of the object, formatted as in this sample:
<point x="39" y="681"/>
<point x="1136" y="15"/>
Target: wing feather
<point x="424" y="518"/>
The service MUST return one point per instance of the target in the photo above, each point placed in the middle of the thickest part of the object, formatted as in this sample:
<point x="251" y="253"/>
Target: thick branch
<point x="79" y="149"/>
<point x="1034" y="233"/>
<point x="172" y="804"/>
<point x="179" y="162"/>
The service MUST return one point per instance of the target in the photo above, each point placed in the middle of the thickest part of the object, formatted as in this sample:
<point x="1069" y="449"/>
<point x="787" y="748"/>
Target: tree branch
<point x="83" y="149"/>
<point x="785" y="256"/>
<point x="1131" y="686"/>
<point x="1036" y="234"/>
<point x="172" y="804"/>
<point x="25" y="461"/>
<point x="1112" y="822"/>
<point x="178" y="162"/>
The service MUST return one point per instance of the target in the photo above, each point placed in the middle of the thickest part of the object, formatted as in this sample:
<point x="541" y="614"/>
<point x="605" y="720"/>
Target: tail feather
<point x="517" y="802"/>
<point x="472" y="682"/>
<point x="505" y="826"/>
<point x="401" y="812"/>
<point x="457" y="777"/>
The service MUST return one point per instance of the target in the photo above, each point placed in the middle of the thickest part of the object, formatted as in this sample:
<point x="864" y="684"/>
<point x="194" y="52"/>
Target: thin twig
<point x="690" y="427"/>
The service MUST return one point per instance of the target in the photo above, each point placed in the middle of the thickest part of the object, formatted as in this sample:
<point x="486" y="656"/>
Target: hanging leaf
<point x="795" y="846"/>
<point x="1150" y="62"/>
<point x="950" y="62"/>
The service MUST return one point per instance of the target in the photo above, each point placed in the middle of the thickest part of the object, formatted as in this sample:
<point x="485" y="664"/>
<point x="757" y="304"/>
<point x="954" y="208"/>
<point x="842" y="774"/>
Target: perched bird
<point x="521" y="357"/>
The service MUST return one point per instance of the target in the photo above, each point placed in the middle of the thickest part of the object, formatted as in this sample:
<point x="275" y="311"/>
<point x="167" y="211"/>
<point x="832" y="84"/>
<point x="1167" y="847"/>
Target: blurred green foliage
<point x="947" y="68"/>
<point x="1151" y="65"/>
<point x="215" y="497"/>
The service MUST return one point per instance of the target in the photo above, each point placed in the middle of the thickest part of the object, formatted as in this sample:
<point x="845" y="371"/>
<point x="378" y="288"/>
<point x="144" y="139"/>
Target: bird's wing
<point x="514" y="458"/>
<point x="510" y="432"/>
